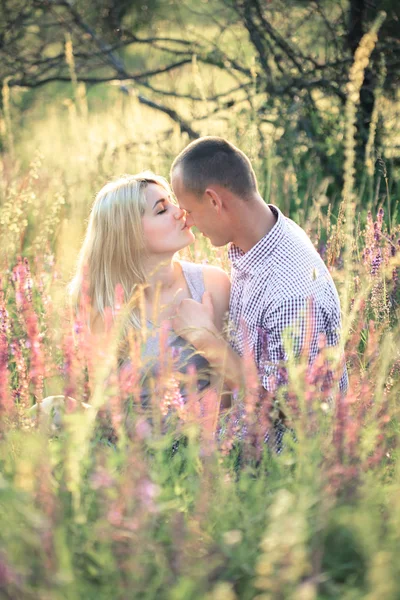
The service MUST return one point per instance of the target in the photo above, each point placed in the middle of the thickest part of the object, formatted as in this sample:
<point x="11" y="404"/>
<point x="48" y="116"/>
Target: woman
<point x="135" y="230"/>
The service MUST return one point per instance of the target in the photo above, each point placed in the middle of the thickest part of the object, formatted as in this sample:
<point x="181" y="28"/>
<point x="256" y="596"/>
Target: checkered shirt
<point x="281" y="287"/>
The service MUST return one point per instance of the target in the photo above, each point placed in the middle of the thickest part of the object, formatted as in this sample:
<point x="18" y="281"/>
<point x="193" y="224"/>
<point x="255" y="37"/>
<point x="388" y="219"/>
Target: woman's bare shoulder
<point x="215" y="277"/>
<point x="97" y="325"/>
<point x="217" y="282"/>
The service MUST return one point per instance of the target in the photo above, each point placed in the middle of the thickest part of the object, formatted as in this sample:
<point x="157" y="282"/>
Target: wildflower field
<point x="103" y="502"/>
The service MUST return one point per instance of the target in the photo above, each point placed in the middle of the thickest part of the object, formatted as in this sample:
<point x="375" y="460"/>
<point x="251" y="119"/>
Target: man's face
<point x="202" y="213"/>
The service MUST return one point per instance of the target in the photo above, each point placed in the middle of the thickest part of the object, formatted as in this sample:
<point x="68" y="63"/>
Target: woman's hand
<point x="194" y="321"/>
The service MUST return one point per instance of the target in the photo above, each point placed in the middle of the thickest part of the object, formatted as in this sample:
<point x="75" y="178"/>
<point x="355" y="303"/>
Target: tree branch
<point x="185" y="127"/>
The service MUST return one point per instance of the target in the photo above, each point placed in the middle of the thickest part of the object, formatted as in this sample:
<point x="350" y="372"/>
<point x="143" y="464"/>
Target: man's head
<point x="210" y="178"/>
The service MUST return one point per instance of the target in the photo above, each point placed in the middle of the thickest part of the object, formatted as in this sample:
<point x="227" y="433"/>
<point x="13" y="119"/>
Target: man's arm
<point x="223" y="359"/>
<point x="291" y="330"/>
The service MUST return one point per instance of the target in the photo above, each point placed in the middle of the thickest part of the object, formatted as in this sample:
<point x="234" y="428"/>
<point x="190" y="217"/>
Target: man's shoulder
<point x="296" y="258"/>
<point x="291" y="276"/>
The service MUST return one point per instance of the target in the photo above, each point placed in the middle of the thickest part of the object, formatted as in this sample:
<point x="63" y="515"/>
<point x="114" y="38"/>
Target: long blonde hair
<point x="113" y="249"/>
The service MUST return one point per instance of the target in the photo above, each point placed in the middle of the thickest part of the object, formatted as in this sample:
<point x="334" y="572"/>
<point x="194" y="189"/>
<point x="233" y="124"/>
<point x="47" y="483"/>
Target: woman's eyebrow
<point x="158" y="201"/>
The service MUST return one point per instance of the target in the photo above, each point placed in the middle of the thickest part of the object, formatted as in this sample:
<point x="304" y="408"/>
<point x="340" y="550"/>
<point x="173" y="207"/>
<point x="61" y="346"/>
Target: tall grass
<point x="113" y="504"/>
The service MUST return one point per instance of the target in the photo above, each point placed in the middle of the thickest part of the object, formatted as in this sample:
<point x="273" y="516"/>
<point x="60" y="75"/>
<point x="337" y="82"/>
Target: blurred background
<point x="91" y="90"/>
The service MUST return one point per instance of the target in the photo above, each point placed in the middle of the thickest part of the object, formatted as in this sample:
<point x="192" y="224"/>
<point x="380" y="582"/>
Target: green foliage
<point x="111" y="508"/>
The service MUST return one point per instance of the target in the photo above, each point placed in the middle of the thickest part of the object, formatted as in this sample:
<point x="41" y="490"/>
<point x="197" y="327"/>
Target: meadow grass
<point x="112" y="505"/>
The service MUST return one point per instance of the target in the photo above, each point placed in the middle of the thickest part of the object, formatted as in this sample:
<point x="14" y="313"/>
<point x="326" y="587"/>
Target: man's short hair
<point x="213" y="160"/>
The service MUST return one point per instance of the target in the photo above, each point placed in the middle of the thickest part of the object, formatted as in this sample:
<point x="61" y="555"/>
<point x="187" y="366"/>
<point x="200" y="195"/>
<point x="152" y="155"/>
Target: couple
<point x="278" y="282"/>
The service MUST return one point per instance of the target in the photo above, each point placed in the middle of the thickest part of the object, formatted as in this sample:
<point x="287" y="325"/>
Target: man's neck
<point x="254" y="220"/>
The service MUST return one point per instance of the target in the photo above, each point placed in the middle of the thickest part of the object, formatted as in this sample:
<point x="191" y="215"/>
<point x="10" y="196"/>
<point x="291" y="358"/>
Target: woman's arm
<point x="218" y="284"/>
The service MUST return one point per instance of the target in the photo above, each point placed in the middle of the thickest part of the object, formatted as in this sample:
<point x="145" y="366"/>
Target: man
<point x="283" y="300"/>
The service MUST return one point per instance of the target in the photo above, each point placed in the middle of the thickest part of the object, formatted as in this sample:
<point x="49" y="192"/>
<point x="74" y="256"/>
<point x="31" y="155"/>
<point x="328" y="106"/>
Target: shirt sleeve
<point x="290" y="330"/>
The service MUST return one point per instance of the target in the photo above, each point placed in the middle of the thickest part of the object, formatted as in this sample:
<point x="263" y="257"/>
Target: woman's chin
<point x="189" y="235"/>
<point x="189" y="240"/>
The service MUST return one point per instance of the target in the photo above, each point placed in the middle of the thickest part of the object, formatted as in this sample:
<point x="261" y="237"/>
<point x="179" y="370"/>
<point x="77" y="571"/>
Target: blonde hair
<point x="113" y="249"/>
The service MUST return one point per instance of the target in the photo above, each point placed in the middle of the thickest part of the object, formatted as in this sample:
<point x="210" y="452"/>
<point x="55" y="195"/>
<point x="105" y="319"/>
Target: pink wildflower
<point x="172" y="398"/>
<point x="21" y="393"/>
<point x="210" y="407"/>
<point x="6" y="404"/>
<point x="23" y="283"/>
<point x="101" y="478"/>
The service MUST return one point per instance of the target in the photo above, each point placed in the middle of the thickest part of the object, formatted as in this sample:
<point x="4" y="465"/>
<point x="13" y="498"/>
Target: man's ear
<point x="214" y="199"/>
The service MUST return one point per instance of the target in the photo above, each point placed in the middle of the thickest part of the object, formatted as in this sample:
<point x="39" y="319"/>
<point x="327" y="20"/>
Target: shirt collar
<point x="252" y="261"/>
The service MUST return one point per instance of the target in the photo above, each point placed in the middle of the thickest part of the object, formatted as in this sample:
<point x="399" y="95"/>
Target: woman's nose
<point x="180" y="213"/>
<point x="189" y="220"/>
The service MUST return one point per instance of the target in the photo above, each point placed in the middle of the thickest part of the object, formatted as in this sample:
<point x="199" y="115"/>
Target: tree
<point x="33" y="35"/>
<point x="311" y="50"/>
<point x="302" y="54"/>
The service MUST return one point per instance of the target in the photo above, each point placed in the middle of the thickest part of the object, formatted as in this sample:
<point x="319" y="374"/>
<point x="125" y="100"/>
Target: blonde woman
<point x="135" y="230"/>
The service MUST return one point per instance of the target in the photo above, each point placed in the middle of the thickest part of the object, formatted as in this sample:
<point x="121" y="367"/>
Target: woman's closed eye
<point x="161" y="208"/>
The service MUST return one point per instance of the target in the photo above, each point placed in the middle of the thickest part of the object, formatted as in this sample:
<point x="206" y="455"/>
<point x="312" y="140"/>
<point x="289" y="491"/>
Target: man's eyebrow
<point x="158" y="201"/>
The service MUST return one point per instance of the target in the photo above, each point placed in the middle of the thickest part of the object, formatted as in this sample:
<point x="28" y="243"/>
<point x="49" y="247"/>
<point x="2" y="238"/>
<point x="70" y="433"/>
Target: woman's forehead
<point x="154" y="193"/>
